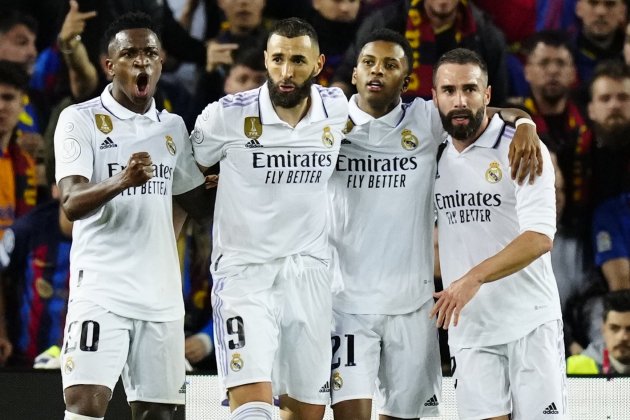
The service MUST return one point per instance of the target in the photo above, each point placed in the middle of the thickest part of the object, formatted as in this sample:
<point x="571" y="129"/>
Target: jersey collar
<point x="122" y="113"/>
<point x="360" y="117"/>
<point x="316" y="112"/>
<point x="491" y="136"/>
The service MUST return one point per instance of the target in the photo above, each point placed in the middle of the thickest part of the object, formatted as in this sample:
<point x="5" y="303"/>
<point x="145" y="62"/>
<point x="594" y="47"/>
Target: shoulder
<point x="334" y="100"/>
<point x="240" y="100"/>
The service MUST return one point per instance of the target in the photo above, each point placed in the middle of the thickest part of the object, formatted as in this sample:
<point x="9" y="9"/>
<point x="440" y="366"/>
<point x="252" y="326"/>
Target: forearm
<point x="517" y="255"/>
<point x="82" y="73"/>
<point x="78" y="199"/>
<point x="509" y="115"/>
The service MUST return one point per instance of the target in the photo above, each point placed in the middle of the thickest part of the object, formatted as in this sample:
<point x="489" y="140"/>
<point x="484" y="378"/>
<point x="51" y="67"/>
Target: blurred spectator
<point x="601" y="35"/>
<point x="434" y="27"/>
<point x="550" y="71"/>
<point x="18" y="192"/>
<point x="610" y="356"/>
<point x="17" y="168"/>
<point x="212" y="16"/>
<point x="35" y="259"/>
<point x="336" y="22"/>
<point x="626" y="45"/>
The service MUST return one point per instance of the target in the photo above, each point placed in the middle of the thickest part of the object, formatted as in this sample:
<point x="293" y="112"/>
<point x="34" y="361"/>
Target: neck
<point x="292" y="116"/>
<point x="5" y="138"/>
<point x="601" y="42"/>
<point x="376" y="110"/>
<point x="461" y="144"/>
<point x="548" y="108"/>
<point x="619" y="367"/>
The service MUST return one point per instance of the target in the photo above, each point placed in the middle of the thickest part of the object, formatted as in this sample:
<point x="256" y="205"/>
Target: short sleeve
<point x="74" y="153"/>
<point x="206" y="138"/>
<point x="187" y="174"/>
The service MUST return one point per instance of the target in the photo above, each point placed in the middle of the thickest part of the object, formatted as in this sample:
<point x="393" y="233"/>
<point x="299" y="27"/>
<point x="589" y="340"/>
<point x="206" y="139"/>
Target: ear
<point x="110" y="67"/>
<point x="406" y="83"/>
<point x="487" y="95"/>
<point x="590" y="110"/>
<point x="320" y="64"/>
<point x="266" y="55"/>
<point x="354" y="76"/>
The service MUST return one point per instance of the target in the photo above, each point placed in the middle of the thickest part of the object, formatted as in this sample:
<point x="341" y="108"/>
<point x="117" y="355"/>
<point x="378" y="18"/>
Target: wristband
<point x="523" y="120"/>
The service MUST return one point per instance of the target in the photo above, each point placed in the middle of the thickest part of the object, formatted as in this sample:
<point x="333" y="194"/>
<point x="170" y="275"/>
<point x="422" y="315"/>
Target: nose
<point x="377" y="68"/>
<point x="287" y="70"/>
<point x="460" y="100"/>
<point x="142" y="60"/>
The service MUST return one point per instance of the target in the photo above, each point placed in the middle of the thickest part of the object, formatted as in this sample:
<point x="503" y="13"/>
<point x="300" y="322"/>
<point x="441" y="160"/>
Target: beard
<point x="614" y="135"/>
<point x="289" y="99"/>
<point x="460" y="131"/>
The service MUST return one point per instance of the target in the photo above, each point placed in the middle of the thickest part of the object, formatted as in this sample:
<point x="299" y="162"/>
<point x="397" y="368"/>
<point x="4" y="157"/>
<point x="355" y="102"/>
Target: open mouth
<point x="142" y="84"/>
<point x="375" y="85"/>
<point x="286" y="87"/>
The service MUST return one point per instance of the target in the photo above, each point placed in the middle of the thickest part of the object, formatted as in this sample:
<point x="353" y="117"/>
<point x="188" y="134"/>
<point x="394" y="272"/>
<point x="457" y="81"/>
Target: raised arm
<point x="79" y="197"/>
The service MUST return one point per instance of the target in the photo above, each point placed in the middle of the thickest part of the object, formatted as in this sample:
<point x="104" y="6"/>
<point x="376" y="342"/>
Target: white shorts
<point x="99" y="346"/>
<point x="400" y="353"/>
<point x="525" y="377"/>
<point x="272" y="324"/>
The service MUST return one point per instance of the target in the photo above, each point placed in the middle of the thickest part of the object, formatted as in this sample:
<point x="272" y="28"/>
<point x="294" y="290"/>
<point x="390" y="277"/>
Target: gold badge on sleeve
<point x="494" y="173"/>
<point x="104" y="123"/>
<point x="408" y="141"/>
<point x="252" y="128"/>
<point x="327" y="137"/>
<point x="237" y="363"/>
<point x="170" y="145"/>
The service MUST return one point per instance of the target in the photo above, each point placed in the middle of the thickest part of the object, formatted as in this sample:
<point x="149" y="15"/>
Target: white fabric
<point x="124" y="254"/>
<point x="382" y="209"/>
<point x="272" y="193"/>
<point x="100" y="346"/>
<point x="399" y="353"/>
<point x="525" y="377"/>
<point x="480" y="211"/>
<point x="272" y="324"/>
<point x="71" y="416"/>
<point x="253" y="411"/>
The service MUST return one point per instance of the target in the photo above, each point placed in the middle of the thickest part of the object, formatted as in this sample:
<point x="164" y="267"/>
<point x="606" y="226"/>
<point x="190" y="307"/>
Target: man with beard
<point x="119" y="164"/>
<point x="610" y="356"/>
<point x="277" y="147"/>
<point x="382" y="222"/>
<point x="550" y="72"/>
<point x="500" y="298"/>
<point x="609" y="110"/>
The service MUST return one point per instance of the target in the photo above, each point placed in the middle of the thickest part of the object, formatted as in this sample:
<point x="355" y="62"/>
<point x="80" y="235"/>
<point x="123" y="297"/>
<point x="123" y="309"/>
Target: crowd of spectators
<point x="566" y="62"/>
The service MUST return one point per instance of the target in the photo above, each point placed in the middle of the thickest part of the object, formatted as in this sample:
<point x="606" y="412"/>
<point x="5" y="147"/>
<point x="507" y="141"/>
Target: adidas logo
<point x="432" y="402"/>
<point x="253" y="143"/>
<point x="346" y="141"/>
<point x="551" y="409"/>
<point x="108" y="144"/>
<point x="326" y="387"/>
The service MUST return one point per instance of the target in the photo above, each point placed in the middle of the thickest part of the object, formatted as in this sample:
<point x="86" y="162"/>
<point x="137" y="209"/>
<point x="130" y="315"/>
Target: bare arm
<point x="80" y="197"/>
<point x="518" y="254"/>
<point x="83" y="74"/>
<point x="524" y="155"/>
<point x="617" y="273"/>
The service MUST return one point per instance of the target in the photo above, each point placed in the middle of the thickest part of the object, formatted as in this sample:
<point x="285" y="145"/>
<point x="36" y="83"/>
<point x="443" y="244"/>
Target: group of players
<point x="281" y="247"/>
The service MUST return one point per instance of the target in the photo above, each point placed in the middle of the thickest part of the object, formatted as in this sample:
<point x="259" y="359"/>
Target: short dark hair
<point x="11" y="18"/>
<point x="130" y="20"/>
<point x="553" y="38"/>
<point x="250" y="57"/>
<point x="292" y="28"/>
<point x="388" y="35"/>
<point x="461" y="56"/>
<point x="612" y="69"/>
<point x="618" y="301"/>
<point x="13" y="74"/>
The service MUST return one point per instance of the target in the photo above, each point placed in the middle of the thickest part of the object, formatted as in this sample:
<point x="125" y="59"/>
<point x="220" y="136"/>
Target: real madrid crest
<point x="337" y="381"/>
<point x="104" y="123"/>
<point x="237" y="363"/>
<point x="327" y="137"/>
<point x="494" y="173"/>
<point x="68" y="367"/>
<point x="408" y="141"/>
<point x="252" y="127"/>
<point x="170" y="145"/>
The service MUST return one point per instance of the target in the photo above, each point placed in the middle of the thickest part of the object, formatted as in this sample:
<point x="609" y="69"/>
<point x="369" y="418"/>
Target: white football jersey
<point x="382" y="209"/>
<point x="272" y="193"/>
<point x="480" y="211"/>
<point x="124" y="254"/>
